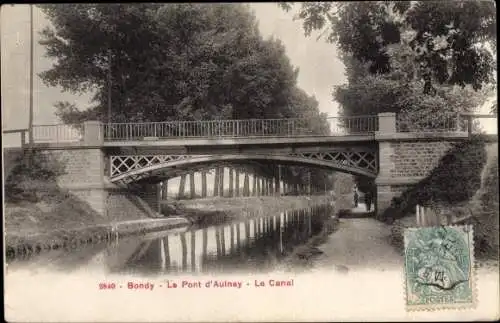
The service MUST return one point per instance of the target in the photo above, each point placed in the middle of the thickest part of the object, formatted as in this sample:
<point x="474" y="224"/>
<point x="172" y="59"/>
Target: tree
<point x="167" y="62"/>
<point x="172" y="62"/>
<point x="409" y="58"/>
<point x="453" y="42"/>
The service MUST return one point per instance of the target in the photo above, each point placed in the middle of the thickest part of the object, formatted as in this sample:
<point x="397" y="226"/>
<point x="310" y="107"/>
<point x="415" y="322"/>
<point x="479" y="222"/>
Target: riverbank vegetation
<point x="156" y="62"/>
<point x="426" y="61"/>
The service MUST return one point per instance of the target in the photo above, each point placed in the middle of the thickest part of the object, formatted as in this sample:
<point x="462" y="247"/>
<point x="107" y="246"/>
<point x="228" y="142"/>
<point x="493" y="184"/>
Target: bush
<point x="33" y="176"/>
<point x="455" y="180"/>
<point x="487" y="218"/>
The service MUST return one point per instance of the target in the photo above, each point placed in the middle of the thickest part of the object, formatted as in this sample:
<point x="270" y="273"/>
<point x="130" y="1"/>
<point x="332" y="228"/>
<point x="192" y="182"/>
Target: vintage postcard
<point x="228" y="162"/>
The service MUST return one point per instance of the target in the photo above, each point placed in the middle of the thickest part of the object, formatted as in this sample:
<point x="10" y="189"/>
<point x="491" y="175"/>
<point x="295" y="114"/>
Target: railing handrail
<point x="58" y="124"/>
<point x="469" y="114"/>
<point x="15" y="130"/>
<point x="243" y="120"/>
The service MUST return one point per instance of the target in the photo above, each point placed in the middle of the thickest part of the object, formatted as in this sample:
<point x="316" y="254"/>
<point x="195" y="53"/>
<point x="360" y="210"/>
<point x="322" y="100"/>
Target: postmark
<point x="439" y="267"/>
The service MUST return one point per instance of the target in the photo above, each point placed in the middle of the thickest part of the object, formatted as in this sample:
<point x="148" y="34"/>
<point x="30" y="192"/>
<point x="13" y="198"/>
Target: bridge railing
<point x="333" y="126"/>
<point x="57" y="133"/>
<point x="429" y="123"/>
<point x="463" y="122"/>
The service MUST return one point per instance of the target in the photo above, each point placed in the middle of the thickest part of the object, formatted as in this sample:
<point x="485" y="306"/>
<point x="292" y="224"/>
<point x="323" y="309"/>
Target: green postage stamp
<point x="439" y="267"/>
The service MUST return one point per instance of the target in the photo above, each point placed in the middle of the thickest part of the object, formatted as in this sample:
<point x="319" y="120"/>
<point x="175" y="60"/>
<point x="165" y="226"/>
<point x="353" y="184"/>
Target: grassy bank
<point x="62" y="221"/>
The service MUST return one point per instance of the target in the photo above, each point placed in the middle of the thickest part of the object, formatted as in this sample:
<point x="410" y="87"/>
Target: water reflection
<point x="256" y="244"/>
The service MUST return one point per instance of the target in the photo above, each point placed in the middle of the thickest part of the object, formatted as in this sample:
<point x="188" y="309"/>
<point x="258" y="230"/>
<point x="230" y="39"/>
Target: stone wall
<point x="85" y="178"/>
<point x="84" y="175"/>
<point x="417" y="159"/>
<point x="403" y="164"/>
<point x="123" y="204"/>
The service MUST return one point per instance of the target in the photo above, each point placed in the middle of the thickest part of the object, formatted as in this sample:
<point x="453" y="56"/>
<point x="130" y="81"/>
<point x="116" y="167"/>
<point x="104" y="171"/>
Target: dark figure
<point x="356" y="198"/>
<point x="368" y="200"/>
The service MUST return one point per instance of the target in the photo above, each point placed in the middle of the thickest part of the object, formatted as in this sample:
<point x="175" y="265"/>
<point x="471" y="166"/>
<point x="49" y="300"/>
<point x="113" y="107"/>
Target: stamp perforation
<point x="472" y="276"/>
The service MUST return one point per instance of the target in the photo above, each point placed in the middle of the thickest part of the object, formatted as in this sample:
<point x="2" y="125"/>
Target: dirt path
<point x="359" y="244"/>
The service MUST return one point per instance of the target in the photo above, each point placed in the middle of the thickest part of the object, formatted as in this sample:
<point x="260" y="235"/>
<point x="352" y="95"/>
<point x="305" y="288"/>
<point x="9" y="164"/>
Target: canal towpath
<point x="359" y="243"/>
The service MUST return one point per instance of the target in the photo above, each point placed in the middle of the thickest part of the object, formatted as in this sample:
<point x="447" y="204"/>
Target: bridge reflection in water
<point x="256" y="244"/>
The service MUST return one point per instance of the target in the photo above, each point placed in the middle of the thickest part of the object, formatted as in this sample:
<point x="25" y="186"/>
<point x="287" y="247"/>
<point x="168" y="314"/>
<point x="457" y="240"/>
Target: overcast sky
<point x="320" y="69"/>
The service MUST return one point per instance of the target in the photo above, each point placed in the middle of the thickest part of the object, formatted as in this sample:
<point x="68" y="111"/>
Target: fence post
<point x="23" y="138"/>
<point x="387" y="122"/>
<point x="92" y="133"/>
<point x="417" y="214"/>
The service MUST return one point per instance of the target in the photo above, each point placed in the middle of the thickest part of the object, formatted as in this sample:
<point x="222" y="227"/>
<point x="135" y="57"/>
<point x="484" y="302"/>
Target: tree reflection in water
<point x="254" y="245"/>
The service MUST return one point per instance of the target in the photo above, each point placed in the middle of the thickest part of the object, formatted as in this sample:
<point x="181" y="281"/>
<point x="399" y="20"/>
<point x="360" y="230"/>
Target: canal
<point x="259" y="243"/>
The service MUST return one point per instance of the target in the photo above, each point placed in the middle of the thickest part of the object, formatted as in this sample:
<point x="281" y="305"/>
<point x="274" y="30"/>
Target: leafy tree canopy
<point x="174" y="61"/>
<point x="453" y="42"/>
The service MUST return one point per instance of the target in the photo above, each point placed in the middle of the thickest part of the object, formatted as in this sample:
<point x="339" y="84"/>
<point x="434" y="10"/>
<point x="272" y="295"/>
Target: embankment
<point x="66" y="222"/>
<point x="481" y="211"/>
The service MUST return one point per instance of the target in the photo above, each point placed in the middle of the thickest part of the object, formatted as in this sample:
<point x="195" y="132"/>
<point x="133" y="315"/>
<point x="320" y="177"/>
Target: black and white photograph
<point x="265" y="161"/>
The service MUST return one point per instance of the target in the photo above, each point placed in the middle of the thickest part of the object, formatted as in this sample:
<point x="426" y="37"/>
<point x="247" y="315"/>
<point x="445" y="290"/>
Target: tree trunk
<point x="191" y="185"/>
<point x="237" y="182"/>
<point x="216" y="181"/>
<point x="203" y="183"/>
<point x="246" y="188"/>
<point x="254" y="186"/>
<point x="221" y="182"/>
<point x="231" y="183"/>
<point x="182" y="186"/>
<point x="164" y="190"/>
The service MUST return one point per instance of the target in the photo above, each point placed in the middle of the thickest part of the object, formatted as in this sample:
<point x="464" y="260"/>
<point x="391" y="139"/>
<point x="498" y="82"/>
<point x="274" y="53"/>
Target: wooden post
<point x="191" y="185"/>
<point x="203" y="183"/>
<point x="423" y="217"/>
<point x="417" y="215"/>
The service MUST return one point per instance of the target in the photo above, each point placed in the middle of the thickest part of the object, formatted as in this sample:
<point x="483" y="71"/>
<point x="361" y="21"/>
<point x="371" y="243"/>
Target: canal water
<point x="257" y="244"/>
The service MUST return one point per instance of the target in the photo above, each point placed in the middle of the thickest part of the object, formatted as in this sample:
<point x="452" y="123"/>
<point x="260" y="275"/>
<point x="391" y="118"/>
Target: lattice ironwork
<point x="132" y="168"/>
<point x="361" y="160"/>
<point x="124" y="164"/>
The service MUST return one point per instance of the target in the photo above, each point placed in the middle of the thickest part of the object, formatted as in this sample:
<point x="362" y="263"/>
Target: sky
<point x="319" y="66"/>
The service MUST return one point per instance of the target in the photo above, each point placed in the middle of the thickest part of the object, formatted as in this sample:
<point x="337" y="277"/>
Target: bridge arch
<point x="128" y="169"/>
